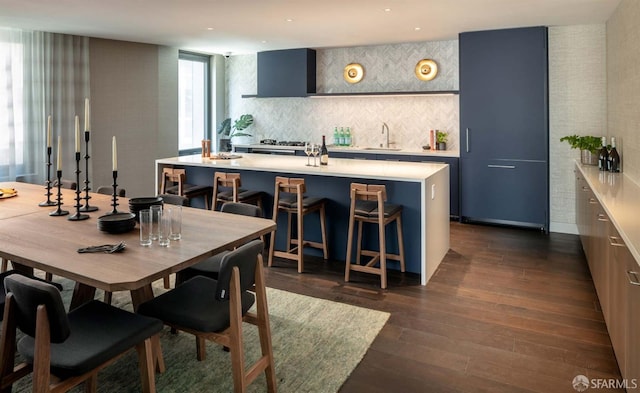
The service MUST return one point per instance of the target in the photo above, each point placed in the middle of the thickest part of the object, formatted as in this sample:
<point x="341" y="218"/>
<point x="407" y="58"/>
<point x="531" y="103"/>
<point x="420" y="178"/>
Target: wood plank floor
<point x="508" y="310"/>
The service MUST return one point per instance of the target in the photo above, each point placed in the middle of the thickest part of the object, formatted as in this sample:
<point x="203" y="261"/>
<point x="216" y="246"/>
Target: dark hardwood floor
<point x="508" y="310"/>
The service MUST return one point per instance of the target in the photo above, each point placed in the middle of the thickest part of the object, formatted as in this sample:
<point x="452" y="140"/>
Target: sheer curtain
<point x="43" y="74"/>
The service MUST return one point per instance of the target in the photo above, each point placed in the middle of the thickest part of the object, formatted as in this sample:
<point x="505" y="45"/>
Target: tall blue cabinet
<point x="504" y="127"/>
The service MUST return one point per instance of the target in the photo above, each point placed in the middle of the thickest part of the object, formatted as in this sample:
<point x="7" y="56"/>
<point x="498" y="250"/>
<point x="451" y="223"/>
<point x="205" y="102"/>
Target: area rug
<point x="316" y="345"/>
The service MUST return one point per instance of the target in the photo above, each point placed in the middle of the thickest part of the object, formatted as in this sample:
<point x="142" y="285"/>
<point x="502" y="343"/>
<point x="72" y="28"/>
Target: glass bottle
<point x="324" y="153"/>
<point x="614" y="157"/>
<point x="347" y="137"/>
<point x="336" y="137"/>
<point x="341" y="138"/>
<point x="603" y="155"/>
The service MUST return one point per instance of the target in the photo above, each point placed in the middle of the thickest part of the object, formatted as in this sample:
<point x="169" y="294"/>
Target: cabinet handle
<point x="502" y="166"/>
<point x="592" y="201"/>
<point x="614" y="241"/>
<point x="633" y="277"/>
<point x="467" y="139"/>
<point x="603" y="217"/>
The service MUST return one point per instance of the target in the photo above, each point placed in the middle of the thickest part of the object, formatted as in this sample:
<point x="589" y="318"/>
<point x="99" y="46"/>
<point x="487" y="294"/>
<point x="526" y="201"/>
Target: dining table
<point x="31" y="238"/>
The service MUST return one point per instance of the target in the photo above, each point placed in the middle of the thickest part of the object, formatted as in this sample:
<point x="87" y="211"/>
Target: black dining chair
<point x="211" y="267"/>
<point x="108" y="190"/>
<point x="10" y="272"/>
<point x="64" y="350"/>
<point x="173" y="199"/>
<point x="215" y="309"/>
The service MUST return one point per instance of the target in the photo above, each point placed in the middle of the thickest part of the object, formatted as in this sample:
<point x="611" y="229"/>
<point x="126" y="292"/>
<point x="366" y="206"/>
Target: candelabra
<point x="59" y="211"/>
<point x="78" y="216"/>
<point x="86" y="207"/>
<point x="48" y="202"/>
<point x="115" y="193"/>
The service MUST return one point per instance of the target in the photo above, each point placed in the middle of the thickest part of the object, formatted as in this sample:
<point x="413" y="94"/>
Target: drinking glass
<point x="145" y="227"/>
<point x="156" y="214"/>
<point x="307" y="151"/>
<point x="315" y="150"/>
<point x="176" y="222"/>
<point x="164" y="232"/>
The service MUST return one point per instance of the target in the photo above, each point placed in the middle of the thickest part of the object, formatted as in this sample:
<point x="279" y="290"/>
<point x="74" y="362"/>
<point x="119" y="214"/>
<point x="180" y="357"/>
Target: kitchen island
<point x="421" y="188"/>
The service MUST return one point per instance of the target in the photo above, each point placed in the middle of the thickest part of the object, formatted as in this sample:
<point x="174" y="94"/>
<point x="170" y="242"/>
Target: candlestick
<point x="59" y="211"/>
<point x="114" y="154"/>
<point x="78" y="216"/>
<point x="87" y="113"/>
<point x="77" y="134"/>
<point x="59" y="157"/>
<point x="48" y="202"/>
<point x="115" y="192"/>
<point x="86" y="207"/>
<point x="49" y="131"/>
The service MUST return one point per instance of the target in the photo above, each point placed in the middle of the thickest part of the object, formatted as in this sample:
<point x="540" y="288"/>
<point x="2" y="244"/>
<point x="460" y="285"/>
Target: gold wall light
<point x="353" y="73"/>
<point x="426" y="69"/>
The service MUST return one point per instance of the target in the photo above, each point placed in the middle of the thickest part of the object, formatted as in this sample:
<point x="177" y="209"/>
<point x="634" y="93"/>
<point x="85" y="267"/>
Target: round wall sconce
<point x="426" y="69"/>
<point x="353" y="73"/>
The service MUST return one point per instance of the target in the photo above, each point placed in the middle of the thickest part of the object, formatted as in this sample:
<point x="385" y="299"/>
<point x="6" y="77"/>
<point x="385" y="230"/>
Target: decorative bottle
<point x="336" y="137"/>
<point x="324" y="153"/>
<point x="347" y="137"/>
<point x="603" y="155"/>
<point x="614" y="157"/>
<point x="341" y="137"/>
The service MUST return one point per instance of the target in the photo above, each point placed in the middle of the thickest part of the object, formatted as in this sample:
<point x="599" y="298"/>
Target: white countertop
<point x="620" y="199"/>
<point x="363" y="150"/>
<point x="367" y="169"/>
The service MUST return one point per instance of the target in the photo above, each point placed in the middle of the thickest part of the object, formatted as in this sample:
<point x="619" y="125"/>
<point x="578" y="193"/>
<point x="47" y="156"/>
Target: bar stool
<point x="289" y="197"/>
<point x="226" y="188"/>
<point x="174" y="182"/>
<point x="368" y="205"/>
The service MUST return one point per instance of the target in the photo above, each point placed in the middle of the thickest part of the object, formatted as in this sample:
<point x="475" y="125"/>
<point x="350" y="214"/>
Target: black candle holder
<point x="86" y="207"/>
<point x="78" y="216"/>
<point x="59" y="211"/>
<point x="115" y="193"/>
<point x="48" y="202"/>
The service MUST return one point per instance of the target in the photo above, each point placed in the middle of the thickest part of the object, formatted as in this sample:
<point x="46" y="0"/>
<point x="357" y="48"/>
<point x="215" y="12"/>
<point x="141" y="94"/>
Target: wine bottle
<point x="603" y="155"/>
<point x="614" y="157"/>
<point x="324" y="153"/>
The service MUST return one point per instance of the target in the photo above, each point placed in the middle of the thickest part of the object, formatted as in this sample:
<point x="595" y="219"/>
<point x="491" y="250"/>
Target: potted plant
<point x="441" y="140"/>
<point x="588" y="146"/>
<point x="228" y="131"/>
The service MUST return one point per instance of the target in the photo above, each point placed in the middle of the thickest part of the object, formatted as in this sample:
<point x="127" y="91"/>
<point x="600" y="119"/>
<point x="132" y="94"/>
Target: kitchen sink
<point x="382" y="148"/>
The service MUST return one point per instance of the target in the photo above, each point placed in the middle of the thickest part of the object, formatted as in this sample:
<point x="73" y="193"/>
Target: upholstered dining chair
<point x="108" y="190"/>
<point x="10" y="272"/>
<point x="64" y="350"/>
<point x="211" y="267"/>
<point x="65" y="183"/>
<point x="215" y="309"/>
<point x="173" y="199"/>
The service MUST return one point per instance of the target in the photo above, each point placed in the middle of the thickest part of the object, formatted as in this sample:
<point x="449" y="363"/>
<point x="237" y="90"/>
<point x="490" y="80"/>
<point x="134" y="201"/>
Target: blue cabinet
<point x="504" y="132"/>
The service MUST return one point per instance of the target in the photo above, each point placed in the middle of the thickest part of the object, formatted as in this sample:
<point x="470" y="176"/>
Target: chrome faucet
<point x="385" y="126"/>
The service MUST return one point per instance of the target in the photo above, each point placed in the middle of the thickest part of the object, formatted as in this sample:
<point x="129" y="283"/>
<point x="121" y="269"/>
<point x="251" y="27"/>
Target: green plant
<point x="243" y="122"/>
<point x="441" y="136"/>
<point x="586" y="142"/>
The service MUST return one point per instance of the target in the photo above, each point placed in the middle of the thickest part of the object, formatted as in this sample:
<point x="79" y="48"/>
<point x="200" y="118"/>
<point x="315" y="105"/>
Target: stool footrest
<point x="366" y="269"/>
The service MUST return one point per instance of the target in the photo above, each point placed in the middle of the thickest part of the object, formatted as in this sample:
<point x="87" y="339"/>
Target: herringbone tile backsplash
<point x="388" y="68"/>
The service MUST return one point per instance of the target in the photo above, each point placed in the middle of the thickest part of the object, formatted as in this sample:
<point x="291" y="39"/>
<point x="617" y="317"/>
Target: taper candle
<point x="114" y="154"/>
<point x="77" y="134"/>
<point x="87" y="113"/>
<point x="49" y="131"/>
<point x="59" y="158"/>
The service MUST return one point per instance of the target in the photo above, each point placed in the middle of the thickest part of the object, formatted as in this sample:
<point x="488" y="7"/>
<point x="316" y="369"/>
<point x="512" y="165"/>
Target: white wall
<point x="577" y="105"/>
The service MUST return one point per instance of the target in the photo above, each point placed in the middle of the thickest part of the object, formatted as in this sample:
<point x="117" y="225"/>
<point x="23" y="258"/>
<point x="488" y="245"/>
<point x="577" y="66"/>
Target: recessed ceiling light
<point x="387" y="10"/>
<point x="209" y="28"/>
<point x="289" y="20"/>
<point x="264" y="41"/>
<point x="417" y="28"/>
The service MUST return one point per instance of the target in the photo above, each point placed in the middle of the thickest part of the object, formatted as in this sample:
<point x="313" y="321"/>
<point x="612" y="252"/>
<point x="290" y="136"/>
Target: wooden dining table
<point x="32" y="239"/>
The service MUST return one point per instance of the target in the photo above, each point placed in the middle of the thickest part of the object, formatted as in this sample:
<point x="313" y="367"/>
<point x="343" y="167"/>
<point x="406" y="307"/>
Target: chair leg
<point x="42" y="353"/>
<point x="359" y="244"/>
<point x="201" y="349"/>
<point x="157" y="354"/>
<point x="383" y="255"/>
<point x="145" y="364"/>
<point x="107" y="297"/>
<point x="5" y="265"/>
<point x="166" y="282"/>
<point x="400" y="244"/>
<point x="288" y="246"/>
<point x="236" y="346"/>
<point x="300" y="222"/>
<point x="347" y="267"/>
<point x="264" y="329"/>
<point x="323" y="229"/>
<point x="91" y="384"/>
<point x="48" y="276"/>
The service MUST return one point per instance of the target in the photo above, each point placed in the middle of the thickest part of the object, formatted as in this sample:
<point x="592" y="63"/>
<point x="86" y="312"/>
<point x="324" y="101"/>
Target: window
<point x="193" y="102"/>
<point x="11" y="109"/>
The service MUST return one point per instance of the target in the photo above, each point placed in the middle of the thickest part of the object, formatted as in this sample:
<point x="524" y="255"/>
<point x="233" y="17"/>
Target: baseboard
<point x="561" y="227"/>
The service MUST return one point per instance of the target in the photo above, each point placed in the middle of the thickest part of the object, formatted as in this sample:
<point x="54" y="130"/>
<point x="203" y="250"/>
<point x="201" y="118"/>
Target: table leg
<point x="82" y="293"/>
<point x="139" y="296"/>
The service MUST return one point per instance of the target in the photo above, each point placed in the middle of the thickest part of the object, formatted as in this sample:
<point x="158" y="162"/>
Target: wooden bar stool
<point x="289" y="197"/>
<point x="226" y="188"/>
<point x="368" y="205"/>
<point x="174" y="182"/>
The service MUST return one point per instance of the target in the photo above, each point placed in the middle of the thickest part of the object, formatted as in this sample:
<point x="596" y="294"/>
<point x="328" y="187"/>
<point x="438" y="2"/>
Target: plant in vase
<point x="588" y="146"/>
<point x="441" y="140"/>
<point x="228" y="130"/>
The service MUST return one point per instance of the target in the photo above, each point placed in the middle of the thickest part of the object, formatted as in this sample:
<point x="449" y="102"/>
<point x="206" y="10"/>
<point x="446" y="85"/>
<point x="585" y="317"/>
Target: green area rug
<point x="316" y="345"/>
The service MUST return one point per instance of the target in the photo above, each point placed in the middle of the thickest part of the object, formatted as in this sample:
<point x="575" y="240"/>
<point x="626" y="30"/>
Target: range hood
<point x="287" y="73"/>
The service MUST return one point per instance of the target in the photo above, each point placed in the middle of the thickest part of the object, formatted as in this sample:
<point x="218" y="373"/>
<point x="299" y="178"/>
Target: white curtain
<point x="43" y="74"/>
